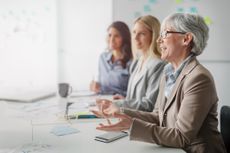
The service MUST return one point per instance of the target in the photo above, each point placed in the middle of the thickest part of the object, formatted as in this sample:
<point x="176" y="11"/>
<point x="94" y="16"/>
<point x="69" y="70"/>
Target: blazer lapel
<point x="133" y="67"/>
<point x="136" y="81"/>
<point x="187" y="69"/>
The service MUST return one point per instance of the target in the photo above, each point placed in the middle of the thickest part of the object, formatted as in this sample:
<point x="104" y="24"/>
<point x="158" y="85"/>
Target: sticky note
<point x="208" y="20"/>
<point x="147" y="8"/>
<point x="178" y="1"/>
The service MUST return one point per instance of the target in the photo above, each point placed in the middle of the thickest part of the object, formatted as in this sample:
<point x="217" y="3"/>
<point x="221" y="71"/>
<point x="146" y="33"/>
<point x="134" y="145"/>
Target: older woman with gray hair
<point x="185" y="114"/>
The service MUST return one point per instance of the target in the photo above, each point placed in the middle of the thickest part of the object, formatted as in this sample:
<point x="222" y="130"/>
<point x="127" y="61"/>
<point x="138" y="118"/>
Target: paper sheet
<point x="63" y="130"/>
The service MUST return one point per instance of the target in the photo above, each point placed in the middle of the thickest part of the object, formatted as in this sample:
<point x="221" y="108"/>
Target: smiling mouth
<point x="138" y="44"/>
<point x="163" y="48"/>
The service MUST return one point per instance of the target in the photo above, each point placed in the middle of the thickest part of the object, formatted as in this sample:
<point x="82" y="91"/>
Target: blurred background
<point x="43" y="42"/>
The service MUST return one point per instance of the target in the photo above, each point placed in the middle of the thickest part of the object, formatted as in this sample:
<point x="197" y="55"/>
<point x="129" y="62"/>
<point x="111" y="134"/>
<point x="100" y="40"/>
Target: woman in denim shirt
<point x="114" y="64"/>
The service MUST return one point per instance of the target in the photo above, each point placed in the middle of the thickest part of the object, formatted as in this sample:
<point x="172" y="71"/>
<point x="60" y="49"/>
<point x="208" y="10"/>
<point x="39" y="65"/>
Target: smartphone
<point x="111" y="136"/>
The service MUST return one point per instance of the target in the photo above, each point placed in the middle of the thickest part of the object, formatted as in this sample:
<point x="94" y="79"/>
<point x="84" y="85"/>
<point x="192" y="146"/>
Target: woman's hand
<point x="124" y="123"/>
<point x="117" y="96"/>
<point x="94" y="86"/>
<point x="106" y="108"/>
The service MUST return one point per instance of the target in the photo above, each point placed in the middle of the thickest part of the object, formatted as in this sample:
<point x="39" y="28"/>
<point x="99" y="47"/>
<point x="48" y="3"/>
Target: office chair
<point x="225" y="125"/>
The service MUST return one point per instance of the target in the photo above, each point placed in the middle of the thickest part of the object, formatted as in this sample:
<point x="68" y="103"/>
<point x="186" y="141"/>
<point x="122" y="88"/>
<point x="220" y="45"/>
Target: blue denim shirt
<point x="113" y="78"/>
<point x="172" y="75"/>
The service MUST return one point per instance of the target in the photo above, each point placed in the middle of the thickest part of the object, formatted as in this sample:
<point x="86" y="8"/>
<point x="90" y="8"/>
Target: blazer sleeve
<point x="142" y="115"/>
<point x="147" y="101"/>
<point x="199" y="96"/>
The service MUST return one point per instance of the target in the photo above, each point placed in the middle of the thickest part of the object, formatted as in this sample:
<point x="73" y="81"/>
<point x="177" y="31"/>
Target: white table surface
<point x="18" y="132"/>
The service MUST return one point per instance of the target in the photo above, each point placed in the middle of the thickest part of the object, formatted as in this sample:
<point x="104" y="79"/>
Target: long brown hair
<point x="124" y="31"/>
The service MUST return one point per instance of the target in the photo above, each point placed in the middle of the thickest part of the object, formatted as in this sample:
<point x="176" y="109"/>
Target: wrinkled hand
<point x="106" y="108"/>
<point x="94" y="86"/>
<point x="124" y="123"/>
<point x="117" y="96"/>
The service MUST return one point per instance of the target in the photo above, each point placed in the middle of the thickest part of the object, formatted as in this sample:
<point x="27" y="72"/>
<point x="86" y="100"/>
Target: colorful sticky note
<point x="147" y="8"/>
<point x="178" y="1"/>
<point x="193" y="10"/>
<point x="208" y="20"/>
<point x="180" y="10"/>
<point x="152" y="1"/>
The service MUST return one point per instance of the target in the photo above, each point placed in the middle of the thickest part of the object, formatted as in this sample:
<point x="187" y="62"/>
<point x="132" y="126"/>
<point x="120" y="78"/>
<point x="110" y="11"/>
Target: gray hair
<point x="193" y="24"/>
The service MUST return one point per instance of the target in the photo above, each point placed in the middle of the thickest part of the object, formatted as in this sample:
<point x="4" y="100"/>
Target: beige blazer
<point x="187" y="119"/>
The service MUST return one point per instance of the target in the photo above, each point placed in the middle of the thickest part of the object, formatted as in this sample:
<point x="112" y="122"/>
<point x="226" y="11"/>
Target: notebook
<point x="27" y="96"/>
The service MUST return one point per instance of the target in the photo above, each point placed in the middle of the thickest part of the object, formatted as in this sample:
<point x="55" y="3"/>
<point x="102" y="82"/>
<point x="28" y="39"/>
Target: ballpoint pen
<point x="103" y="115"/>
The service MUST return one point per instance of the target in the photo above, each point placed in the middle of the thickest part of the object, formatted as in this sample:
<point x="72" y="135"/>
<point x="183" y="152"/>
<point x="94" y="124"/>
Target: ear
<point x="187" y="39"/>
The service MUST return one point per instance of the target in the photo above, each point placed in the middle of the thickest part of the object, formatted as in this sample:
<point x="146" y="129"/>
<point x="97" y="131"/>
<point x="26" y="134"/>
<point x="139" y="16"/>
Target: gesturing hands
<point x="124" y="123"/>
<point x="107" y="110"/>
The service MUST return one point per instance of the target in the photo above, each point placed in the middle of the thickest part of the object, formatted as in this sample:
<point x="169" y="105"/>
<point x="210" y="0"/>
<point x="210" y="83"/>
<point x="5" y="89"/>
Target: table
<point x="24" y="135"/>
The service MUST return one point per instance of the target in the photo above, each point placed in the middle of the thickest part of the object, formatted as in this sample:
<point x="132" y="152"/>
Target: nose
<point x="111" y="39"/>
<point x="159" y="40"/>
<point x="135" y="36"/>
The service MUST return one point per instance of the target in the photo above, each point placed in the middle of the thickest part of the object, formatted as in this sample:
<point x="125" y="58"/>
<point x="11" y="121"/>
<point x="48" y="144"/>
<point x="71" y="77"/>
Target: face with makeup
<point x="114" y="39"/>
<point x="142" y="37"/>
<point x="174" y="45"/>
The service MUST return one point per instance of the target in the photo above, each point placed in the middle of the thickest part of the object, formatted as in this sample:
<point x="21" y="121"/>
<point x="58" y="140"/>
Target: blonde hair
<point x="153" y="25"/>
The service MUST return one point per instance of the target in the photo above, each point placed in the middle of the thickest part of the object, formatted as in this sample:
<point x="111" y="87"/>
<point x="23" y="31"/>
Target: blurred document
<point x="83" y="93"/>
<point x="63" y="130"/>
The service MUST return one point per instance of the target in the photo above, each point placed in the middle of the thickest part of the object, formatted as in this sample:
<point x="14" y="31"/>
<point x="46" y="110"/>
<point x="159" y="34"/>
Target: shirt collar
<point x="169" y="70"/>
<point x="108" y="56"/>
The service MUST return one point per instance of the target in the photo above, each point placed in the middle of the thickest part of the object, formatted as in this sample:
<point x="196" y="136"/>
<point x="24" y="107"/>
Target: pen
<point x="107" y="119"/>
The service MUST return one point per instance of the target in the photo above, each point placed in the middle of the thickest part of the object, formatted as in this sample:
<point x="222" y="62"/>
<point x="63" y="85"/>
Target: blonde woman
<point x="146" y="68"/>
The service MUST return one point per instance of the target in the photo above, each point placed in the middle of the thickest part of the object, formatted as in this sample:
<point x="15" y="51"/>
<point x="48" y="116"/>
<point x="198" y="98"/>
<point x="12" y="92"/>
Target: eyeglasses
<point x="164" y="34"/>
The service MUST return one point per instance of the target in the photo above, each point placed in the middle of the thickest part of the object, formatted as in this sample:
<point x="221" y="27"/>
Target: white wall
<point x="221" y="73"/>
<point x="82" y="32"/>
<point x="28" y="45"/>
<point x="35" y="34"/>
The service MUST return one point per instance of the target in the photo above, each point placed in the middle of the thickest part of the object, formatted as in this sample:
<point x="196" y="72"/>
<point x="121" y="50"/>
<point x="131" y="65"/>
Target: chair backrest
<point x="225" y="125"/>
